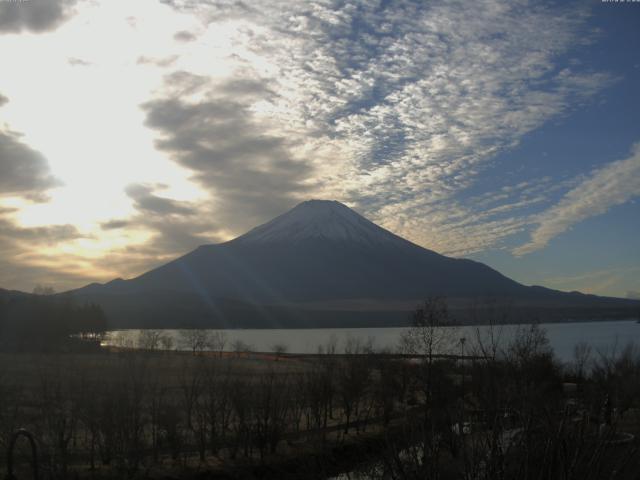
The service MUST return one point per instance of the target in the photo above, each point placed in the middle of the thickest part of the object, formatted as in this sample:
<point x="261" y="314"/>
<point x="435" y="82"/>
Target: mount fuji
<point x="319" y="264"/>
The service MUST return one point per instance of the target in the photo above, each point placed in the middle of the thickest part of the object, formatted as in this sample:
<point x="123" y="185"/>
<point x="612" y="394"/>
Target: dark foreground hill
<point x="322" y="264"/>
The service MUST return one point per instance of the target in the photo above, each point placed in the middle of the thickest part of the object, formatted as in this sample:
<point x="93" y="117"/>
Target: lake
<point x="601" y="335"/>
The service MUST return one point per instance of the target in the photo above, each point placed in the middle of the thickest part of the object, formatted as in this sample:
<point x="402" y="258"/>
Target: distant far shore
<point x="399" y="325"/>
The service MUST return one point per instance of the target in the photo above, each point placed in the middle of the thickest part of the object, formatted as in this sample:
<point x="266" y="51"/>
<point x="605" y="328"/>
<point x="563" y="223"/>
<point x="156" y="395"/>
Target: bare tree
<point x="429" y="336"/>
<point x="320" y="386"/>
<point x="122" y="340"/>
<point x="279" y="349"/>
<point x="581" y="358"/>
<point x="242" y="404"/>
<point x="194" y="340"/>
<point x="217" y="340"/>
<point x="167" y="342"/>
<point x="353" y="378"/>
<point x="149" y="339"/>
<point x="240" y="346"/>
<point x="491" y="315"/>
<point x="430" y="332"/>
<point x="331" y="347"/>
<point x="270" y="410"/>
<point x="217" y="404"/>
<point x="192" y="384"/>
<point x="58" y="416"/>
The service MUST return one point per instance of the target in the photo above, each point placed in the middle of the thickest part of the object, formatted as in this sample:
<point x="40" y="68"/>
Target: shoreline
<point x="452" y="325"/>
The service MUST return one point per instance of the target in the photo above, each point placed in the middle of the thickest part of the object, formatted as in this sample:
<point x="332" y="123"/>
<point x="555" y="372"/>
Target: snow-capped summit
<point x="299" y="267"/>
<point x="320" y="220"/>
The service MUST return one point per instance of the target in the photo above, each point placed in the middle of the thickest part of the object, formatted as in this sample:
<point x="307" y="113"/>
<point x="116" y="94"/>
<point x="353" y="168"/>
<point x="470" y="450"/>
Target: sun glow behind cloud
<point x="86" y="118"/>
<point x="74" y="96"/>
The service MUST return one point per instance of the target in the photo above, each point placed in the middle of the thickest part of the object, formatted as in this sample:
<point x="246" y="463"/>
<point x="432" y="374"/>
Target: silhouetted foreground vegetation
<point x="46" y="323"/>
<point x="500" y="411"/>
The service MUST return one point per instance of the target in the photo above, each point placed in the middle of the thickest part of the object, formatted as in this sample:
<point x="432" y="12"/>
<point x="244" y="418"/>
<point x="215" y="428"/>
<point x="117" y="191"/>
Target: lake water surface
<point x="601" y="335"/>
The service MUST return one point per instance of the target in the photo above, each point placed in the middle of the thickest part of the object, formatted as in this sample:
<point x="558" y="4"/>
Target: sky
<point x="505" y="132"/>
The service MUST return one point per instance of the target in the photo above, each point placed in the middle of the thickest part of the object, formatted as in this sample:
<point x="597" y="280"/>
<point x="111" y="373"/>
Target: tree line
<point x="43" y="322"/>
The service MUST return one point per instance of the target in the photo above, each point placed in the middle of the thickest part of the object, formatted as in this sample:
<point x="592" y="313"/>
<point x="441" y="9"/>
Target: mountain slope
<point x="318" y="253"/>
<point x="319" y="250"/>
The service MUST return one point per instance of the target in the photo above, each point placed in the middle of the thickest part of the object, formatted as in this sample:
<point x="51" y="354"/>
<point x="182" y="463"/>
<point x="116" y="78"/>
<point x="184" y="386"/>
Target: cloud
<point x="171" y="237"/>
<point x="78" y="62"/>
<point x="244" y="88"/>
<point x="11" y="233"/>
<point x="174" y="227"/>
<point x="633" y="295"/>
<point x="146" y="201"/>
<point x="606" y="187"/>
<point x="23" y="171"/>
<point x="114" y="224"/>
<point x="243" y="166"/>
<point x="31" y="255"/>
<point x="34" y="15"/>
<point x="184" y="36"/>
<point x="22" y="263"/>
<point x="158" y="62"/>
<point x="398" y="107"/>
